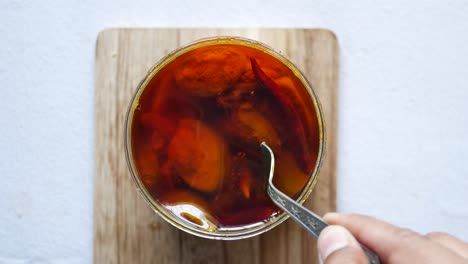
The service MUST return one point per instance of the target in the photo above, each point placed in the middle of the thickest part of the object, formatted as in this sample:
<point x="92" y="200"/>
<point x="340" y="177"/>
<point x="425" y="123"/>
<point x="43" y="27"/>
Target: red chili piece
<point x="288" y="107"/>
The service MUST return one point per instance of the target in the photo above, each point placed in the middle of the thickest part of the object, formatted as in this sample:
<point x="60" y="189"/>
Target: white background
<point x="403" y="125"/>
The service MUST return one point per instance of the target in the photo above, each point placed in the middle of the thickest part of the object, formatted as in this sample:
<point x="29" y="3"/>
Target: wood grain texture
<point x="126" y="230"/>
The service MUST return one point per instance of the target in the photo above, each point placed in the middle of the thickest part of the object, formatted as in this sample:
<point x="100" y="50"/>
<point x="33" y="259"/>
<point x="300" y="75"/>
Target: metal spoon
<point x="310" y="221"/>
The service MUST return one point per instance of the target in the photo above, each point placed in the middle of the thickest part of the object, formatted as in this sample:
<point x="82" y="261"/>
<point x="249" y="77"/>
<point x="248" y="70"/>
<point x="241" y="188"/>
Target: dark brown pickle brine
<point x="197" y="129"/>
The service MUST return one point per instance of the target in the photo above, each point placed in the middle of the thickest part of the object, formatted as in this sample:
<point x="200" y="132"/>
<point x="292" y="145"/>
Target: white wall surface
<point x="403" y="111"/>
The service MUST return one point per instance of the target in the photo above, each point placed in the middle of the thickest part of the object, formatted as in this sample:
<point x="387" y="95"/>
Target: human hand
<point x="337" y="243"/>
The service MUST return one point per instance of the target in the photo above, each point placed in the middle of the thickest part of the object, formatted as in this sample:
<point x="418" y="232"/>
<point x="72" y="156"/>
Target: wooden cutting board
<point x="126" y="230"/>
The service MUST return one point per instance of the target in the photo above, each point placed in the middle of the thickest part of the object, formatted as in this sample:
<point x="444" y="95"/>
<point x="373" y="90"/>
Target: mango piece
<point x="147" y="165"/>
<point x="157" y="99"/>
<point x="199" y="155"/>
<point x="249" y="127"/>
<point x="162" y="124"/>
<point x="157" y="141"/>
<point x="288" y="178"/>
<point x="209" y="72"/>
<point x="230" y="195"/>
<point x="240" y="93"/>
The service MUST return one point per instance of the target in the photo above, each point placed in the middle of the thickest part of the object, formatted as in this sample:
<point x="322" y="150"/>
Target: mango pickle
<point x="195" y="136"/>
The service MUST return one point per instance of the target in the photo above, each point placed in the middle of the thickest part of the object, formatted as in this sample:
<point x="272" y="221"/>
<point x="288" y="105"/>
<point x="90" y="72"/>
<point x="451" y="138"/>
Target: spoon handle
<point x="310" y="221"/>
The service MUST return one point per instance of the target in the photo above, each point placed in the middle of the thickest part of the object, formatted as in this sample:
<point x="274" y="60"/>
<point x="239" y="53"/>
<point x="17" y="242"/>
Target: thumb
<point x="336" y="245"/>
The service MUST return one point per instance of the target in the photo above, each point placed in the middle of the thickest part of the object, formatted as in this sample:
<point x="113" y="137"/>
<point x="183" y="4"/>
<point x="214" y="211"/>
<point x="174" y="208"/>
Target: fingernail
<point x="332" y="239"/>
<point x="331" y="217"/>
